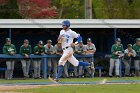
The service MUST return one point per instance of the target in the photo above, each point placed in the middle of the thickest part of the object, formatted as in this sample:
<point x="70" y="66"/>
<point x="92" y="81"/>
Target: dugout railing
<point x="32" y="56"/>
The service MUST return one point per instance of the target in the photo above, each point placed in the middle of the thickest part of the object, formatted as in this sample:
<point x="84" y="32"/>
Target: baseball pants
<point x="116" y="63"/>
<point x="25" y="66"/>
<point x="137" y="67"/>
<point x="127" y="64"/>
<point x="10" y="69"/>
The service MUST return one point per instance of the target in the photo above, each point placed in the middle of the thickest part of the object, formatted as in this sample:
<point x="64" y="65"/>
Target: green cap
<point x="118" y="39"/>
<point x="89" y="40"/>
<point x="40" y="42"/>
<point x="138" y="39"/>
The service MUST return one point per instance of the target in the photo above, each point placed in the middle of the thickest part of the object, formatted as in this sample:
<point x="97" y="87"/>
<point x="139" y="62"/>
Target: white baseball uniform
<point x="67" y="40"/>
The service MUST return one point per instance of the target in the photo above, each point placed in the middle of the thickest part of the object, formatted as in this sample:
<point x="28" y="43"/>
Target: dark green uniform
<point x="137" y="49"/>
<point x="116" y="48"/>
<point x="9" y="49"/>
<point x="114" y="60"/>
<point x="39" y="50"/>
<point x="25" y="62"/>
<point x="25" y="50"/>
<point x="137" y="59"/>
<point x="37" y="62"/>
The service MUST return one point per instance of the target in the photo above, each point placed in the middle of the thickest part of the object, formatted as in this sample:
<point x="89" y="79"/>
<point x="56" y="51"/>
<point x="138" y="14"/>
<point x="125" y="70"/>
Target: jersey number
<point x="67" y="40"/>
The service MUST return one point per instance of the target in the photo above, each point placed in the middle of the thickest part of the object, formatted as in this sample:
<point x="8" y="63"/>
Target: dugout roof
<point x="75" y="23"/>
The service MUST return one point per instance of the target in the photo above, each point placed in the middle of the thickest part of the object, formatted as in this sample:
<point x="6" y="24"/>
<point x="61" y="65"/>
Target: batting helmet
<point x="66" y="23"/>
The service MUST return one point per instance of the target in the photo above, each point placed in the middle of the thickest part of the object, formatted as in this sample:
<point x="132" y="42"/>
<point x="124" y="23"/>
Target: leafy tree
<point x="9" y="9"/>
<point x="27" y="9"/>
<point x="70" y="8"/>
<point x="37" y="9"/>
<point x="117" y="9"/>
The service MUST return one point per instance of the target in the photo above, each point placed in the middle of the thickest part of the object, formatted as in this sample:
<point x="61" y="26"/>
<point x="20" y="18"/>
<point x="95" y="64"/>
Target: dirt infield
<point x="10" y="87"/>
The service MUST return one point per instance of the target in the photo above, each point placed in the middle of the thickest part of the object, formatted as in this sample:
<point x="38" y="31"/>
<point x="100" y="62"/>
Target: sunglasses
<point x="63" y="25"/>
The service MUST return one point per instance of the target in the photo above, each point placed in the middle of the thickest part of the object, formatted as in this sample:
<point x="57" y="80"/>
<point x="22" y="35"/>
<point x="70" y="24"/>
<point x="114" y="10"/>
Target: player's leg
<point x="49" y="66"/>
<point x="23" y="62"/>
<point x="55" y="68"/>
<point x="12" y="66"/>
<point x="90" y="71"/>
<point x="137" y="67"/>
<point x="39" y="69"/>
<point x="76" y="72"/>
<point x="75" y="62"/>
<point x="8" y="64"/>
<point x="35" y="68"/>
<point x="28" y="62"/>
<point x="111" y="67"/>
<point x="66" y="70"/>
<point x="127" y="67"/>
<point x="117" y="66"/>
<point x="80" y="68"/>
<point x="62" y="62"/>
<point x="80" y="71"/>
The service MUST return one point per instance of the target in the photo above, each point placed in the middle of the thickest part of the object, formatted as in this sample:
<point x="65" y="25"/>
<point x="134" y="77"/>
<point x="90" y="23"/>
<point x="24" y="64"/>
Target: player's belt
<point x="66" y="48"/>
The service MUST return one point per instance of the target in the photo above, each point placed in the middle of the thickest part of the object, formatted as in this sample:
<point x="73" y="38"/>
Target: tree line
<point x="70" y="9"/>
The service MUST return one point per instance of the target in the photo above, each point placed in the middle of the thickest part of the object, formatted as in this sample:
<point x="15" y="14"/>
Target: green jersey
<point x="39" y="50"/>
<point x="115" y="49"/>
<point x="25" y="50"/>
<point x="7" y="49"/>
<point x="137" y="49"/>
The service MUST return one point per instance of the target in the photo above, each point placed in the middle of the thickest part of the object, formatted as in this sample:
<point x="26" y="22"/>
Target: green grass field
<point x="111" y="88"/>
<point x="87" y="89"/>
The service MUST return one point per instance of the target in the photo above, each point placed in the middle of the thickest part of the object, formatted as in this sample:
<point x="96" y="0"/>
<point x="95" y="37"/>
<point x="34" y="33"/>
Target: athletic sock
<point x="84" y="64"/>
<point x="60" y="71"/>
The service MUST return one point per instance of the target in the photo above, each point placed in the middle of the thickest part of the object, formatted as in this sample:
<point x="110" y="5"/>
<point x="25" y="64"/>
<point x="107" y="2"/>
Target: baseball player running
<point x="66" y="37"/>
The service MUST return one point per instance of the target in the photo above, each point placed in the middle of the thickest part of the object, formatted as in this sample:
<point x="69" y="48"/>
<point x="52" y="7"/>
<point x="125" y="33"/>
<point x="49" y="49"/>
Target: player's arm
<point x="78" y="37"/>
<point x="92" y="51"/>
<point x="59" y="38"/>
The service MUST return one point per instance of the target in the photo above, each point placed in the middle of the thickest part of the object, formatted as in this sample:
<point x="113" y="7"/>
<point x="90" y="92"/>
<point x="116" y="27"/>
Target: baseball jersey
<point x="137" y="49"/>
<point x="48" y="50"/>
<point x="116" y="48"/>
<point x="39" y="49"/>
<point x="126" y="57"/>
<point x="91" y="47"/>
<point x="80" y="49"/>
<point x="67" y="37"/>
<point x="57" y="49"/>
<point x="9" y="48"/>
<point x="25" y="50"/>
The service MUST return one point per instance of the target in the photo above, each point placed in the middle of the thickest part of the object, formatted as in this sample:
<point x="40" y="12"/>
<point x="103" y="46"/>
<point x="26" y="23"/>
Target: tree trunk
<point x="88" y="9"/>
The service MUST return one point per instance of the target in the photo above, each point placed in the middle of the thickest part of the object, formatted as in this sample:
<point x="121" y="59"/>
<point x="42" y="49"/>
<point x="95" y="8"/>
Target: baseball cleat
<point x="53" y="80"/>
